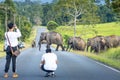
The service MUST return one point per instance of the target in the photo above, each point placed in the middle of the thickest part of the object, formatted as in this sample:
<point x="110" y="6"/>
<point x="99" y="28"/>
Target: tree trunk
<point x="75" y="26"/>
<point x="6" y="17"/>
<point x="14" y="16"/>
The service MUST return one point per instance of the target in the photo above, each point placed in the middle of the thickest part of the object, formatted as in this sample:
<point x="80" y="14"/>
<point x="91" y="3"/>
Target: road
<point x="71" y="66"/>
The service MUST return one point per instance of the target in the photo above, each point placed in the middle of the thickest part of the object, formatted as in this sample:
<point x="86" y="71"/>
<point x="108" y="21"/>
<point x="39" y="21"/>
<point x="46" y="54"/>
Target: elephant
<point x="76" y="43"/>
<point x="96" y="44"/>
<point x="33" y="43"/>
<point x="112" y="41"/>
<point x="51" y="38"/>
<point x="119" y="40"/>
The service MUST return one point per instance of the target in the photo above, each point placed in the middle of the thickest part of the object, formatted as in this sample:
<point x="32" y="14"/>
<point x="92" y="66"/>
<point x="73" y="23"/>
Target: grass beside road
<point x="32" y="37"/>
<point x="2" y="53"/>
<point x="105" y="58"/>
<point x="110" y="57"/>
<point x="85" y="31"/>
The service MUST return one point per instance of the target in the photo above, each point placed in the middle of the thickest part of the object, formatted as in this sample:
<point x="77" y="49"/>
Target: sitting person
<point x="49" y="63"/>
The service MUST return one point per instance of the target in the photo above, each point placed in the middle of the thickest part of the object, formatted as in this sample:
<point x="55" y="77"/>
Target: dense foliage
<point x="64" y="12"/>
<point x="9" y="13"/>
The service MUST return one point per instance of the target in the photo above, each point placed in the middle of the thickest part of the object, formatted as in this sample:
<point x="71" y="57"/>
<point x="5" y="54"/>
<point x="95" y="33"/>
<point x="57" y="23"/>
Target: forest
<point x="64" y="12"/>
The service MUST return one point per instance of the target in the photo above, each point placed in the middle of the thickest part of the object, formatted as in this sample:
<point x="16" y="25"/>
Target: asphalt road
<point x="70" y="67"/>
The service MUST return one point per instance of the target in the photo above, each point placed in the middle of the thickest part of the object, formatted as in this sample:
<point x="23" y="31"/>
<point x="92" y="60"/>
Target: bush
<point x="51" y="25"/>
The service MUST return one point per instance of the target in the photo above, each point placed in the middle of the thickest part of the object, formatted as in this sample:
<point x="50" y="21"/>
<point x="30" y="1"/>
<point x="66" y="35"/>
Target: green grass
<point x="2" y="53"/>
<point x="89" y="31"/>
<point x="110" y="57"/>
<point x="113" y="53"/>
<point x="103" y="58"/>
<point x="32" y="37"/>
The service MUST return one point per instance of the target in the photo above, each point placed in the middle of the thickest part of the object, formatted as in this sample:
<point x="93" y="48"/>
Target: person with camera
<point x="12" y="42"/>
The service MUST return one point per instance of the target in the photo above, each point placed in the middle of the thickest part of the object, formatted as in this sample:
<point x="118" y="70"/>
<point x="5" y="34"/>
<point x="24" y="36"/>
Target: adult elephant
<point x="76" y="43"/>
<point x="112" y="41"/>
<point x="96" y="44"/>
<point x="51" y="38"/>
<point x="119" y="40"/>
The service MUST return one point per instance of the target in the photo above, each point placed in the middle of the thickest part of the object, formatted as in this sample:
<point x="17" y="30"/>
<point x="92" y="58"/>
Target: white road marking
<point x="108" y="67"/>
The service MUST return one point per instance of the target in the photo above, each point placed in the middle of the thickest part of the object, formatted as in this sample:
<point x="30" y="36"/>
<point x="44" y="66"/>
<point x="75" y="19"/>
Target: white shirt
<point x="13" y="37"/>
<point x="50" y="61"/>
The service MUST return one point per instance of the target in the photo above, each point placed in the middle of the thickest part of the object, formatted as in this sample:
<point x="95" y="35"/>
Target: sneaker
<point x="53" y="74"/>
<point x="15" y="75"/>
<point x="47" y="75"/>
<point x="6" y="75"/>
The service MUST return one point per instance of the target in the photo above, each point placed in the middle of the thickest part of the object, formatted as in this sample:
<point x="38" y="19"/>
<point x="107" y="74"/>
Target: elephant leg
<point x="39" y="47"/>
<point x="48" y="46"/>
<point x="62" y="47"/>
<point x="99" y="49"/>
<point x="57" y="47"/>
<point x="39" y="44"/>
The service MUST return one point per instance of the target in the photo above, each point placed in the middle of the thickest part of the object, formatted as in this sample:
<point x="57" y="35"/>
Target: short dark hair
<point x="48" y="50"/>
<point x="10" y="25"/>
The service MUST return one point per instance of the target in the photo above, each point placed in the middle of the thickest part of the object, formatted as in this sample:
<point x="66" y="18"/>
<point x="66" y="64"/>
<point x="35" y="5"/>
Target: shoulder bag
<point x="16" y="52"/>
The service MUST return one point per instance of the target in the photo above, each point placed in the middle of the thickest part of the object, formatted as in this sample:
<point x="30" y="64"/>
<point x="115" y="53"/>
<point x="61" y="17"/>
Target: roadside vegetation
<point x="2" y="53"/>
<point x="32" y="37"/>
<point x="110" y="57"/>
<point x="27" y="44"/>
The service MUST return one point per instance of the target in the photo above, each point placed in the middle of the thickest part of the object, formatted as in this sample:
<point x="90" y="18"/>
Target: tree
<point x="106" y="14"/>
<point x="9" y="9"/>
<point x="9" y="4"/>
<point x="48" y="13"/>
<point x="76" y="8"/>
<point x="116" y="7"/>
<point x="112" y="5"/>
<point x="32" y="10"/>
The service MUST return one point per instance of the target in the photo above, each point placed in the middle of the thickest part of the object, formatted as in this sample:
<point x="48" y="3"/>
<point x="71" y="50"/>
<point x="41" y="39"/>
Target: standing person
<point x="49" y="63"/>
<point x="11" y="36"/>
